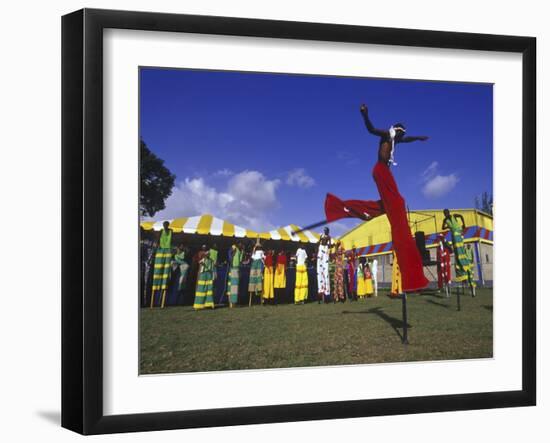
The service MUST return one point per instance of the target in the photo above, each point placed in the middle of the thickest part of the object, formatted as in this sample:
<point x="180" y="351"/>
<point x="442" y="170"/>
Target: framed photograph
<point x="268" y="221"/>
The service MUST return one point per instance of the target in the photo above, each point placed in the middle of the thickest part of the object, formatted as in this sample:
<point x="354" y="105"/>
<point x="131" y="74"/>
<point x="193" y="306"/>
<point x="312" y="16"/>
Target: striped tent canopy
<point x="209" y="225"/>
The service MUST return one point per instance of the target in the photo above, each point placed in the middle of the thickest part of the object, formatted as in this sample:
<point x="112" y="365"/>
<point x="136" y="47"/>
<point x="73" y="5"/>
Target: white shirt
<point x="301" y="256"/>
<point x="258" y="254"/>
<point x="374" y="268"/>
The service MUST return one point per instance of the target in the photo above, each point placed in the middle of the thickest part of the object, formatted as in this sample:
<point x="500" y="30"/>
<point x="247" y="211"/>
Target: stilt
<point x="163" y="298"/>
<point x="249" y="299"/>
<point x="152" y="298"/>
<point x="405" y="320"/>
<point x="458" y="308"/>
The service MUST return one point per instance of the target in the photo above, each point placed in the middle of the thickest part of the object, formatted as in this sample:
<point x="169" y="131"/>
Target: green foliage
<point x="177" y="339"/>
<point x="485" y="203"/>
<point x="156" y="182"/>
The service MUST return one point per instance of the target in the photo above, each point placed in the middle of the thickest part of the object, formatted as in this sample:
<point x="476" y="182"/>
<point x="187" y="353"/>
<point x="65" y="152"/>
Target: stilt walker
<point x="204" y="293"/>
<point x="444" y="251"/>
<point x="161" y="267"/>
<point x="255" y="285"/>
<point x="391" y="203"/>
<point x="234" y="263"/>
<point x="463" y="266"/>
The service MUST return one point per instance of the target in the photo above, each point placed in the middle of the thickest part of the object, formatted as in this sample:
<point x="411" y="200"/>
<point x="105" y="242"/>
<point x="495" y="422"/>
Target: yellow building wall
<point x="377" y="230"/>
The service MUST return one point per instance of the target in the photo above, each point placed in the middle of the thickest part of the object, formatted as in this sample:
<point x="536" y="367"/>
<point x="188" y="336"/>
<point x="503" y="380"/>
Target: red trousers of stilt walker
<point x="392" y="204"/>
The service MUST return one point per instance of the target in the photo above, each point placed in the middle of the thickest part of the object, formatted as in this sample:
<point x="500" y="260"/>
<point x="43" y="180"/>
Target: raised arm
<point x="413" y="138"/>
<point x="461" y="218"/>
<point x="379" y="132"/>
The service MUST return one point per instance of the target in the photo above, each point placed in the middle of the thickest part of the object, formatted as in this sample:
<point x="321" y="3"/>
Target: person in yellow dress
<point x="368" y="280"/>
<point x="361" y="283"/>
<point x="301" y="288"/>
<point x="396" y="287"/>
<point x="280" y="276"/>
<point x="268" y="293"/>
<point x="364" y="279"/>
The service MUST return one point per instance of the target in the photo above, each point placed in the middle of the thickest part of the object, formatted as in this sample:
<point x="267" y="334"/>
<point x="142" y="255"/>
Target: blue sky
<point x="262" y="150"/>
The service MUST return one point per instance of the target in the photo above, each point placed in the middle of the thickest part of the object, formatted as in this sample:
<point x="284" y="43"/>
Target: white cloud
<point x="223" y="173"/>
<point x="246" y="200"/>
<point x="435" y="184"/>
<point x="430" y="171"/>
<point x="298" y="177"/>
<point x="439" y="185"/>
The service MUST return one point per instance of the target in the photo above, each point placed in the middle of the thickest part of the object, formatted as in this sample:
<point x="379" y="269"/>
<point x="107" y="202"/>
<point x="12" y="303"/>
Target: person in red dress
<point x="444" y="251"/>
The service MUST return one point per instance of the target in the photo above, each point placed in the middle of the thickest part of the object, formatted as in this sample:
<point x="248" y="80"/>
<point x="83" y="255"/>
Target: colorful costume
<point x="368" y="282"/>
<point x="255" y="279"/>
<point x="280" y="272"/>
<point x="463" y="265"/>
<point x="361" y="283"/>
<point x="204" y="295"/>
<point x="323" y="280"/>
<point x="396" y="284"/>
<point x="393" y="205"/>
<point x="351" y="273"/>
<point x="374" y="268"/>
<point x="213" y="253"/>
<point x="339" y="274"/>
<point x="443" y="263"/>
<point x="268" y="277"/>
<point x="234" y="274"/>
<point x="163" y="257"/>
<point x="179" y="262"/>
<point x="301" y="288"/>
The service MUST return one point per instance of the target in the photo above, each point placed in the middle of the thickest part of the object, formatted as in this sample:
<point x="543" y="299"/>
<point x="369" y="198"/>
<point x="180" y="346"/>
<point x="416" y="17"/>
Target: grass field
<point x="178" y="339"/>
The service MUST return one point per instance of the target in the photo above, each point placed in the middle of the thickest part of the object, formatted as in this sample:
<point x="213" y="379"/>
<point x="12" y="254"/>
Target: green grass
<point x="178" y="339"/>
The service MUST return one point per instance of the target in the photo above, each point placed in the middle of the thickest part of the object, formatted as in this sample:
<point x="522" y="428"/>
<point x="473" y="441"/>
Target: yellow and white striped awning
<point x="210" y="225"/>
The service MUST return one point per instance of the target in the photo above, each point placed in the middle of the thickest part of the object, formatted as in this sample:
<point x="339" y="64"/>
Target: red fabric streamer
<point x="393" y="205"/>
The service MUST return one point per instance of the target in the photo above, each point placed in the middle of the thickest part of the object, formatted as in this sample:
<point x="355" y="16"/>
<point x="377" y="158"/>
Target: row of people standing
<point x="339" y="272"/>
<point x="267" y="277"/>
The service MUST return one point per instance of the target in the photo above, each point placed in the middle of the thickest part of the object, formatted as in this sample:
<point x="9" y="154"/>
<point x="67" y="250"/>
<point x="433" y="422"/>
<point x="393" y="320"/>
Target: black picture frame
<point x="82" y="218"/>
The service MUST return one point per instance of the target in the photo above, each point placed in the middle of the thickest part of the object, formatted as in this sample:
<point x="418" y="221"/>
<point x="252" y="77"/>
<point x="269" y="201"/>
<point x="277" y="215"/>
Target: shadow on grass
<point x="436" y="303"/>
<point x="488" y="307"/>
<point x="395" y="323"/>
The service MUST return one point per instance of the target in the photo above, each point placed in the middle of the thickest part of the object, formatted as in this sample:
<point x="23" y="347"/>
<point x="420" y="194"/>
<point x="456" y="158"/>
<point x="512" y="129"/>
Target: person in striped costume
<point x="463" y="266"/>
<point x="161" y="267"/>
<point x="255" y="280"/>
<point x="204" y="294"/>
<point x="235" y="259"/>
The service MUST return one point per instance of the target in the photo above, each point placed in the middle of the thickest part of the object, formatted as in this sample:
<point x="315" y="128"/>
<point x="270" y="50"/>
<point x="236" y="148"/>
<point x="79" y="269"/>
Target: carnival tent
<point x="209" y="225"/>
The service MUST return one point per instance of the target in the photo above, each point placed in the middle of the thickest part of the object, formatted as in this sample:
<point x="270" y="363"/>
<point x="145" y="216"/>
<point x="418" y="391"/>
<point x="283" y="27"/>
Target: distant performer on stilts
<point x="444" y="252"/>
<point x="463" y="265"/>
<point x="161" y="268"/>
<point x="391" y="203"/>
